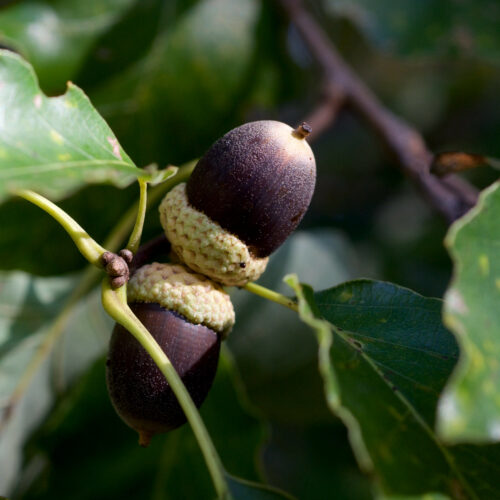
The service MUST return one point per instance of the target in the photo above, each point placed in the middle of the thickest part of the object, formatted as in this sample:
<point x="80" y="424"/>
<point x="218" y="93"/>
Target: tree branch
<point x="325" y="113"/>
<point x="451" y="197"/>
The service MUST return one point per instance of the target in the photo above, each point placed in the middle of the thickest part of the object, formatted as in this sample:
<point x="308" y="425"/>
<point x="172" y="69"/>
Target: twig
<point x="325" y="113"/>
<point x="450" y="197"/>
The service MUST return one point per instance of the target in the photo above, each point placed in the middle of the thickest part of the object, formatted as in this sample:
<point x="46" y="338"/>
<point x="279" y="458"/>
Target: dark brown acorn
<point x="256" y="182"/>
<point x="139" y="392"/>
<point x="137" y="388"/>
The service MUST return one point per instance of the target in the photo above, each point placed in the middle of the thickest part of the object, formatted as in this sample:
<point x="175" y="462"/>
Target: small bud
<point x="117" y="267"/>
<point x="126" y="255"/>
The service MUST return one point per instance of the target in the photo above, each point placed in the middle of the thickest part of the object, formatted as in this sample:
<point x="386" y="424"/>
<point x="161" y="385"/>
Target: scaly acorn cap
<point x="204" y="245"/>
<point x="178" y="289"/>
<point x="256" y="182"/>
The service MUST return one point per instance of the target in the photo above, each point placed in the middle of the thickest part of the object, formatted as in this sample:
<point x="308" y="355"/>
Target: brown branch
<point x="450" y="197"/>
<point x="325" y="113"/>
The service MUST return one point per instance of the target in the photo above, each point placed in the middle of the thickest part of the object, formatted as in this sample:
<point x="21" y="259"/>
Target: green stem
<point x="88" y="280"/>
<point x="115" y="304"/>
<point x="264" y="292"/>
<point x="87" y="246"/>
<point x="135" y="237"/>
<point x="123" y="227"/>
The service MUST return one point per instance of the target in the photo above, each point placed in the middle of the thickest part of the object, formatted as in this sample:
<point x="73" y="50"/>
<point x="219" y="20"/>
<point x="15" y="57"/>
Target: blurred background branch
<point x="450" y="196"/>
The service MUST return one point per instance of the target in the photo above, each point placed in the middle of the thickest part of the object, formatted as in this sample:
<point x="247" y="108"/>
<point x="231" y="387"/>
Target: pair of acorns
<point x="246" y="195"/>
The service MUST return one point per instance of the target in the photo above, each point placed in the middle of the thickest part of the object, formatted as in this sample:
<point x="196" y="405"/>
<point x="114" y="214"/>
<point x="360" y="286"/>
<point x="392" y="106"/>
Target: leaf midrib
<point x="375" y="340"/>
<point x="45" y="167"/>
<point x="416" y="415"/>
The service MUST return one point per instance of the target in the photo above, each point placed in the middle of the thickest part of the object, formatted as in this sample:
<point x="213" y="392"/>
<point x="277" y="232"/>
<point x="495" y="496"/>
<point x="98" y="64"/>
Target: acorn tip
<point x="302" y="131"/>
<point x="145" y="438"/>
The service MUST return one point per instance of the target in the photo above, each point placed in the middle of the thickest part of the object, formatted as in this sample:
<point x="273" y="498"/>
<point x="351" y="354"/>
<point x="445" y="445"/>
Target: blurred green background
<point x="170" y="77"/>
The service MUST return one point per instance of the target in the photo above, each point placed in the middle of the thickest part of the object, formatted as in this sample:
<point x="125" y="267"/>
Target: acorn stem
<point x="135" y="237"/>
<point x="89" y="278"/>
<point x="302" y="131"/>
<point x="115" y="304"/>
<point x="264" y="292"/>
<point x="87" y="246"/>
<point x="156" y="193"/>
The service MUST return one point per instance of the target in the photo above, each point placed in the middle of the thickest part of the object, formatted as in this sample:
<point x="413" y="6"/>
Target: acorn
<point x="245" y="196"/>
<point x="188" y="315"/>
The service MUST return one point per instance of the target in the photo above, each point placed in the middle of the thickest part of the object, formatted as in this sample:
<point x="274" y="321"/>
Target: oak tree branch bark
<point x="450" y="196"/>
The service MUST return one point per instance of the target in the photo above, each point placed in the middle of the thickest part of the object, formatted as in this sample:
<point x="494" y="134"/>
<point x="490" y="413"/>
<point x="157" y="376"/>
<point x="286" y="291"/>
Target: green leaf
<point x="385" y="357"/>
<point x="470" y="407"/>
<point x="426" y="27"/>
<point x="38" y="357"/>
<point x="56" y="36"/>
<point x="53" y="145"/>
<point x="116" y="50"/>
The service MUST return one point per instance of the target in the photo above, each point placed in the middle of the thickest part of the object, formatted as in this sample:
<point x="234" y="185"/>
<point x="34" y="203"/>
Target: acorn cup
<point x="188" y="315"/>
<point x="245" y="196"/>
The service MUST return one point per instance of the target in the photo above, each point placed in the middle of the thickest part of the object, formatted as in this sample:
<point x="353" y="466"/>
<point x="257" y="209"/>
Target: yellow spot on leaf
<point x="453" y="324"/>
<point x="383" y="320"/>
<point x="70" y="104"/>
<point x="56" y="137"/>
<point x="385" y="453"/>
<point x="396" y="414"/>
<point x="3" y="153"/>
<point x="457" y="425"/>
<point x="64" y="157"/>
<point x="484" y="264"/>
<point x="476" y="359"/>
<point x="497" y="283"/>
<point x="345" y="296"/>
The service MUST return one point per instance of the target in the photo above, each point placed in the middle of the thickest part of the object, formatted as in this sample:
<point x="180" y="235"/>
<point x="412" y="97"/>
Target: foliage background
<point x="170" y="77"/>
